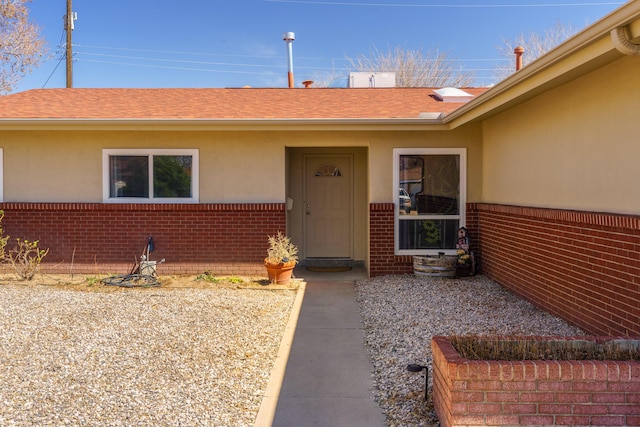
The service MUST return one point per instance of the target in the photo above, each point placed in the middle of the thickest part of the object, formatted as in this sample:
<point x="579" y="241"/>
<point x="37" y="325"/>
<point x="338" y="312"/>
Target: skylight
<point x="452" y="94"/>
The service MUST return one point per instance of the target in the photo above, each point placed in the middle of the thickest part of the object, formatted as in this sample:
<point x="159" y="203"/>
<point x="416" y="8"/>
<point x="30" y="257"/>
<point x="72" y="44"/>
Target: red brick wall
<point x="468" y="393"/>
<point x="108" y="238"/>
<point x="381" y="231"/>
<point x="581" y="266"/>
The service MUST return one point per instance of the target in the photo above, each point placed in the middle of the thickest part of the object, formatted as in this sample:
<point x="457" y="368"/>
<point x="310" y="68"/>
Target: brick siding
<point x="581" y="266"/>
<point x="533" y="393"/>
<point x="109" y="238"/>
<point x="381" y="240"/>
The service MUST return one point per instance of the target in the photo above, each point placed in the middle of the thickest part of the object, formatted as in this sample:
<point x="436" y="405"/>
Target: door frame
<point x="350" y="158"/>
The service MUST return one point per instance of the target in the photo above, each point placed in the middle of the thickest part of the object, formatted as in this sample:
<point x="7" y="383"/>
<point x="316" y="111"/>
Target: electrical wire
<point x="181" y="61"/>
<point x="225" y="64"/>
<point x="59" y="60"/>
<point x="166" y="67"/>
<point x="178" y="52"/>
<point x="52" y="72"/>
<point x="335" y="3"/>
<point x="78" y="56"/>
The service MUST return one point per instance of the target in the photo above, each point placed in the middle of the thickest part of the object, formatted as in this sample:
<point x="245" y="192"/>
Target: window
<point x="328" y="170"/>
<point x="430" y="197"/>
<point x="151" y="176"/>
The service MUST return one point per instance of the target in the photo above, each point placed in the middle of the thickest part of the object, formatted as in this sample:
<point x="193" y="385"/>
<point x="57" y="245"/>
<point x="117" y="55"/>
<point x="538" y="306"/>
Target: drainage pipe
<point x="621" y="42"/>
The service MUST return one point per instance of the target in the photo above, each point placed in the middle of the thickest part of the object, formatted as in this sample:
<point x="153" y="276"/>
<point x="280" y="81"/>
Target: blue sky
<point x="212" y="43"/>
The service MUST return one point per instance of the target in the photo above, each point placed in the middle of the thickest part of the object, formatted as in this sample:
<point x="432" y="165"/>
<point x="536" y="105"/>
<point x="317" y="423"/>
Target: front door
<point x="328" y="204"/>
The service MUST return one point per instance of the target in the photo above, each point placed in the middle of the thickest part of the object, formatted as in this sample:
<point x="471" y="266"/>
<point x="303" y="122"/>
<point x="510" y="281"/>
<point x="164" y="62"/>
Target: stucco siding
<point x="575" y="147"/>
<point x="51" y="167"/>
<point x="235" y="166"/>
<point x="67" y="166"/>
<point x="381" y="157"/>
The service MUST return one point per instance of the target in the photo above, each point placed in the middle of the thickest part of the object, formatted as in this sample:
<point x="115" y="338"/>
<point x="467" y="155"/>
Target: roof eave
<point x="584" y="52"/>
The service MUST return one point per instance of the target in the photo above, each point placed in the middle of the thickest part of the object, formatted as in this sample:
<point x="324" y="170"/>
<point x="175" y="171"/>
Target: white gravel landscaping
<point x="402" y="313"/>
<point x="202" y="357"/>
<point x="137" y="357"/>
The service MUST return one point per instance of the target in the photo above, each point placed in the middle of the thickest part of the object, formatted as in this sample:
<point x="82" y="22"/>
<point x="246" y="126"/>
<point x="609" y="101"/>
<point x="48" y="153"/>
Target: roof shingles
<point x="241" y="103"/>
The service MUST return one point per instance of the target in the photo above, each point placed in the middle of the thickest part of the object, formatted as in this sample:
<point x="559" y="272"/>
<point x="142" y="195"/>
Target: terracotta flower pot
<point x="279" y="273"/>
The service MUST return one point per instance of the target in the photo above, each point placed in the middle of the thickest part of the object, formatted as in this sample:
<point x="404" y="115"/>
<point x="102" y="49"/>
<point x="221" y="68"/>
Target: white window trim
<point x="397" y="152"/>
<point x="195" y="174"/>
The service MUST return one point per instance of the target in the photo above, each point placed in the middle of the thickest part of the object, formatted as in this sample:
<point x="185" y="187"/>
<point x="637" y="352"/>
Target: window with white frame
<point x="151" y="176"/>
<point x="430" y="197"/>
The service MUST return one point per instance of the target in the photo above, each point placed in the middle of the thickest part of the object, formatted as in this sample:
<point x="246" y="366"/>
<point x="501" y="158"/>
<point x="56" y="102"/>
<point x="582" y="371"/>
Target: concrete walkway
<point x="327" y="379"/>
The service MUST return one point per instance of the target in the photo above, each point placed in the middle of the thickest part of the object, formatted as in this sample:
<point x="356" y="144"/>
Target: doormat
<point x="328" y="269"/>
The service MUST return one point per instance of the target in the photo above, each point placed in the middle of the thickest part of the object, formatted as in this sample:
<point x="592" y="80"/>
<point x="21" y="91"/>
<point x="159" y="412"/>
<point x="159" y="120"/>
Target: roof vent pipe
<point x="621" y="42"/>
<point x="519" y="51"/>
<point x="289" y="37"/>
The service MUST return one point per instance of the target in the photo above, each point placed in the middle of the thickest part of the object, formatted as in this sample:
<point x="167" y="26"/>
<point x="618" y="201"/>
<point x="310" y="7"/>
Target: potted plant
<point x="282" y="257"/>
<point x="463" y="267"/>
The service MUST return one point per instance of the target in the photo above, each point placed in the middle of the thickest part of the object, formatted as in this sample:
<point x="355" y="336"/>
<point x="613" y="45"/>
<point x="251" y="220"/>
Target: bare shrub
<point x="3" y="239"/>
<point x="26" y="257"/>
<point x="475" y="347"/>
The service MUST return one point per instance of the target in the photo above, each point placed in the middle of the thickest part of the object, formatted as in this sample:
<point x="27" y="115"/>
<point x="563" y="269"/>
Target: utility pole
<point x="69" y="18"/>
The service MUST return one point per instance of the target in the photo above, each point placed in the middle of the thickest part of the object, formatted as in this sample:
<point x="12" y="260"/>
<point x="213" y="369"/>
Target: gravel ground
<point x="137" y="357"/>
<point x="402" y="313"/>
<point x="202" y="357"/>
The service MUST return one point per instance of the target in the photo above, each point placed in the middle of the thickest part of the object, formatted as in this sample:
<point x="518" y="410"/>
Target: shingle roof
<point x="241" y="103"/>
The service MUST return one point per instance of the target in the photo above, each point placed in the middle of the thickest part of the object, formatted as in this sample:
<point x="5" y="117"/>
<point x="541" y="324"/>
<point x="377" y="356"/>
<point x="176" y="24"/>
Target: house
<point x="541" y="168"/>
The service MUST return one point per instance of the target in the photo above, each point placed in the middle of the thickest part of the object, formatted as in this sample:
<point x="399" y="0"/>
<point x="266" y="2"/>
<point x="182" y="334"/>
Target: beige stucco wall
<point x="235" y="166"/>
<point x="66" y="166"/>
<point x="381" y="155"/>
<point x="576" y="147"/>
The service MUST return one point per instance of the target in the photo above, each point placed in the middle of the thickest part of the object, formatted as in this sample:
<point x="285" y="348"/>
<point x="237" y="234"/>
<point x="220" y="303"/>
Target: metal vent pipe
<point x="289" y="37"/>
<point x="519" y="51"/>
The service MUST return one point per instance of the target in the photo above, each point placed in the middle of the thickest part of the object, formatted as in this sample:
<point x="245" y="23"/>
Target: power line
<point x="53" y="72"/>
<point x="172" y="68"/>
<point x="177" y="52"/>
<point x="479" y="73"/>
<point x="60" y="59"/>
<point x="334" y="3"/>
<point x="219" y="71"/>
<point x="183" y="61"/>
<point x="278" y="58"/>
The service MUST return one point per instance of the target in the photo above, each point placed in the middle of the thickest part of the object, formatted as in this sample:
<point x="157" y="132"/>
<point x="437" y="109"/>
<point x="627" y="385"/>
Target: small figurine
<point x="463" y="239"/>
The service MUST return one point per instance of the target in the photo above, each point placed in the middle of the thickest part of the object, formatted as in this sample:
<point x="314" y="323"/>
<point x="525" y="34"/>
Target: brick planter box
<point x="533" y="393"/>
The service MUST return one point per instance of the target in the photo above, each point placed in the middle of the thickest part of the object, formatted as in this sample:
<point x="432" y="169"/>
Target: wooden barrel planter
<point x="435" y="265"/>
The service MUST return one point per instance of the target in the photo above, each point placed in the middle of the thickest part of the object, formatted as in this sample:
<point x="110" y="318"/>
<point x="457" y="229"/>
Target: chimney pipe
<point x="307" y="83"/>
<point x="289" y="37"/>
<point x="518" y="51"/>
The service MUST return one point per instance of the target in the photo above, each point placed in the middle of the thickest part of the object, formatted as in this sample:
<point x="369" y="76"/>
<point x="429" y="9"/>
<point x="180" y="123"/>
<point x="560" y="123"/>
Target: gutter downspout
<point x="622" y="43"/>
